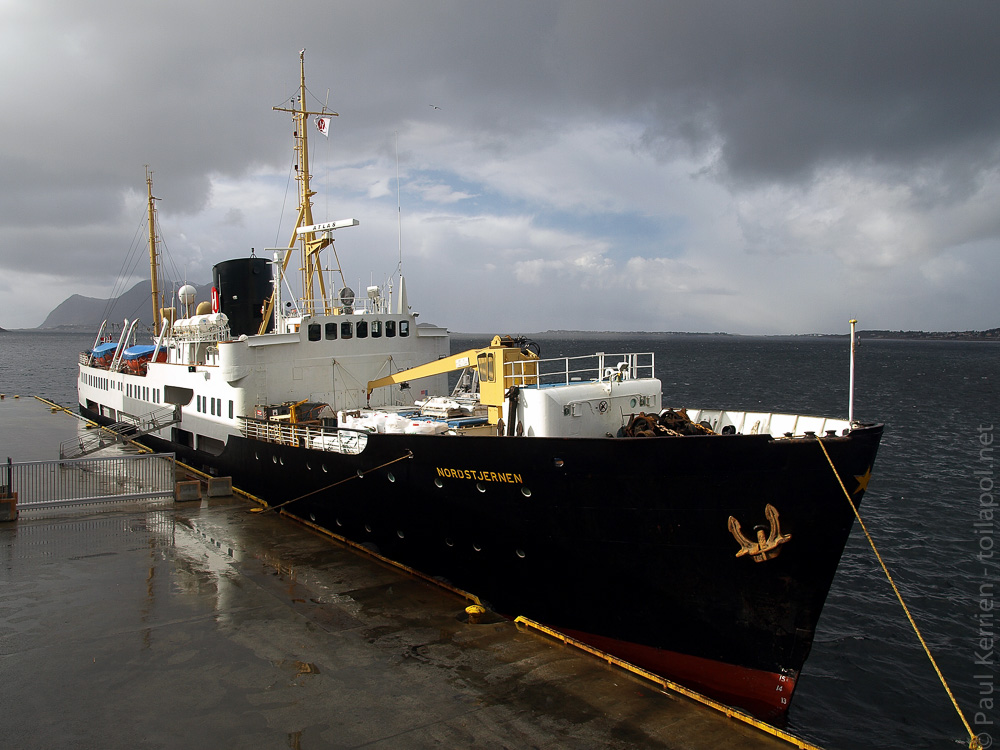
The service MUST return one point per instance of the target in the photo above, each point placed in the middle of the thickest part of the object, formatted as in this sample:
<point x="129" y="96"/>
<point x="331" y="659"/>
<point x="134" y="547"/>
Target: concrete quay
<point x="161" y="624"/>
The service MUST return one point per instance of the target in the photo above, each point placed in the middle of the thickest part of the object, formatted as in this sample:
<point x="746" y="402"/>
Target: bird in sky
<point x="433" y="106"/>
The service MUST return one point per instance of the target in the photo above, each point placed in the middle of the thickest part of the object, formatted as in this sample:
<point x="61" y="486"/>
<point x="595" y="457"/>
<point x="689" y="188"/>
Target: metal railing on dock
<point x="84" y="481"/>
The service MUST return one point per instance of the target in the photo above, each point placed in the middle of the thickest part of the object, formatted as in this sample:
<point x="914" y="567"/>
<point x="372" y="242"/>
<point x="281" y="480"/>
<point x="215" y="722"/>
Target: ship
<point x="698" y="544"/>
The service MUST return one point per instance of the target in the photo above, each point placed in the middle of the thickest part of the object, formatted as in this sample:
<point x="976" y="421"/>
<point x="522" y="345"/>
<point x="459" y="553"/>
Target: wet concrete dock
<point x="162" y="624"/>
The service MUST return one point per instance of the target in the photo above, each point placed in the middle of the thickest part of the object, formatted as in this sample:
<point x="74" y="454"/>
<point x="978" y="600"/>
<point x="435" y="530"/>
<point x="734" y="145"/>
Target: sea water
<point x="867" y="682"/>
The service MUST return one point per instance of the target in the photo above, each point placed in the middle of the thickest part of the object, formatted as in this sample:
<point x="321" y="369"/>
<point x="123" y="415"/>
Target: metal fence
<point x="83" y="481"/>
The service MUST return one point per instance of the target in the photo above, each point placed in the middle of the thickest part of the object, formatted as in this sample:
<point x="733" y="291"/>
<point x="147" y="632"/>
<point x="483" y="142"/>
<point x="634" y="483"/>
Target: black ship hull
<point x="623" y="543"/>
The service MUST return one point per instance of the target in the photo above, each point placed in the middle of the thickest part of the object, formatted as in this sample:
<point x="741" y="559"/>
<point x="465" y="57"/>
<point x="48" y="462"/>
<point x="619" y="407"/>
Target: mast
<point x="850" y="399"/>
<point x="311" y="244"/>
<point x="154" y="260"/>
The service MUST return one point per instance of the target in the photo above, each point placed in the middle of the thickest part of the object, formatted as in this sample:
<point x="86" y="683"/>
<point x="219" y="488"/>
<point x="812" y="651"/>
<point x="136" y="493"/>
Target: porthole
<point x="400" y="534"/>
<point x="281" y="460"/>
<point x="391" y="477"/>
<point x="309" y="465"/>
<point x="519" y="553"/>
<point x="274" y="459"/>
<point x="361" y="474"/>
<point x="438" y="482"/>
<point x="633" y="403"/>
<point x="368" y="528"/>
<point x="324" y="468"/>
<point x="449" y="541"/>
<point x="256" y="455"/>
<point x="480" y="487"/>
<point x="339" y="522"/>
<point x="312" y="517"/>
<point x="525" y="491"/>
<point x="477" y="548"/>
<point x="557" y="462"/>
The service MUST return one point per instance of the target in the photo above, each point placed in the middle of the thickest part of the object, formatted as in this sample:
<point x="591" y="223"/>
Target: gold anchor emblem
<point x="765" y="548"/>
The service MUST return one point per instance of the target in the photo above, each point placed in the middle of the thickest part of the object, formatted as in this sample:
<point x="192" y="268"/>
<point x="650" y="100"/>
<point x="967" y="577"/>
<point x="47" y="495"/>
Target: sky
<point x="743" y="166"/>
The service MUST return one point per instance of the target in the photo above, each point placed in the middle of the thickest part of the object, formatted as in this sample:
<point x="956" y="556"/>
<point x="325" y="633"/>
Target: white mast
<point x="850" y="403"/>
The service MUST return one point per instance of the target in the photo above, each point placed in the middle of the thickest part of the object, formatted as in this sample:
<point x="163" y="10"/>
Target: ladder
<point x="125" y="431"/>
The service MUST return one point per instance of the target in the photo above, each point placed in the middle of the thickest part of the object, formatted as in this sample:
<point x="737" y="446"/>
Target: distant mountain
<point x="86" y="313"/>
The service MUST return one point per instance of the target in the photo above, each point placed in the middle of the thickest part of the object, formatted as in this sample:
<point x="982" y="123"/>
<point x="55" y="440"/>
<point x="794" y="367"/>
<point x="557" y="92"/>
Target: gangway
<point x="126" y="430"/>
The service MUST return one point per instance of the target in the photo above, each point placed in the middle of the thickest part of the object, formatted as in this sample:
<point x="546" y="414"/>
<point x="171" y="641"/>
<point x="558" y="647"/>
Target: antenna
<point x="399" y="209"/>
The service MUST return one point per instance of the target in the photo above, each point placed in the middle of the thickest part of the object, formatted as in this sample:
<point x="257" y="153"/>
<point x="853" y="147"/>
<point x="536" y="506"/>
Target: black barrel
<point x="243" y="286"/>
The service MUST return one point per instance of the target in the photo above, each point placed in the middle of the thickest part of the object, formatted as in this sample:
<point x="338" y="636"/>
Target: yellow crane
<point x="504" y="363"/>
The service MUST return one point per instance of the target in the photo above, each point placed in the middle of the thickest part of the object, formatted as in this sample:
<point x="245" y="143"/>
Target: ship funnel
<point x="242" y="287"/>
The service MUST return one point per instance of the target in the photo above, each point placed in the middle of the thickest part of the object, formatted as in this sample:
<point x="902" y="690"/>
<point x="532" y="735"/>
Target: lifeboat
<point x="137" y="358"/>
<point x="103" y="354"/>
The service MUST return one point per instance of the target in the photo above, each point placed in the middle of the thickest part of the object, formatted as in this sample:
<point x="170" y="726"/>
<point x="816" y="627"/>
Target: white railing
<point x="333" y="439"/>
<point x="590" y="368"/>
<point x="82" y="481"/>
<point x="206" y="335"/>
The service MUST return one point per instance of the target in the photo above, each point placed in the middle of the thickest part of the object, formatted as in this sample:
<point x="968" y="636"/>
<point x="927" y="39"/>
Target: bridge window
<point x="376" y="329"/>
<point x="331" y="330"/>
<point x="315" y="331"/>
<point x="390" y="328"/>
<point x="362" y="329"/>
<point x="404" y="328"/>
<point x="346" y="330"/>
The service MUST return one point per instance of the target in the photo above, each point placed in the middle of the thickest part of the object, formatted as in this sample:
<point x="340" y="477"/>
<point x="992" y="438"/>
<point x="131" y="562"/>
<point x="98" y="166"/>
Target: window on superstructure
<point x="362" y="329"/>
<point x="230" y="409"/>
<point x="376" y="329"/>
<point x="390" y="328"/>
<point x="404" y="328"/>
<point x="315" y="331"/>
<point x="346" y="330"/>
<point x="487" y="370"/>
<point x="331" y="330"/>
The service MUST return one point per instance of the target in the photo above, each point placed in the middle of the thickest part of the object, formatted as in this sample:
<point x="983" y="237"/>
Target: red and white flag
<point x="323" y="125"/>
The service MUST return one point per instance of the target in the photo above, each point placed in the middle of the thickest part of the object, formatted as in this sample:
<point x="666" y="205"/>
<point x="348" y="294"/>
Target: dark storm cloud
<point x="756" y="93"/>
<point x="785" y="87"/>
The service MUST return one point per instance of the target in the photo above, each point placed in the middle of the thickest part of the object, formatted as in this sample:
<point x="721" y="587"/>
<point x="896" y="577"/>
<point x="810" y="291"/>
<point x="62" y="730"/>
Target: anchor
<point x="765" y="548"/>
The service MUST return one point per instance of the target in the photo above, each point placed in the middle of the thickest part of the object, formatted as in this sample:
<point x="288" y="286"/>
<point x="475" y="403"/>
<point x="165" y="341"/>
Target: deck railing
<point x="590" y="368"/>
<point x="335" y="440"/>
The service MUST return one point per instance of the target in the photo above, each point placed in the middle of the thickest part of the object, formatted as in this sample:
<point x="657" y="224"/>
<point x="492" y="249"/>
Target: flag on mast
<point x="323" y="125"/>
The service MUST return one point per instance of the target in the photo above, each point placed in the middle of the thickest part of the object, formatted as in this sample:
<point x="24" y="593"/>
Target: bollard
<point x="8" y="505"/>
<point x="185" y="491"/>
<point x="220" y="486"/>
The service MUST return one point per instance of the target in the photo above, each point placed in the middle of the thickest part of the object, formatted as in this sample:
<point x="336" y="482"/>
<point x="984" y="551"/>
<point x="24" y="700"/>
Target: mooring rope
<point x="358" y="475"/>
<point x="974" y="743"/>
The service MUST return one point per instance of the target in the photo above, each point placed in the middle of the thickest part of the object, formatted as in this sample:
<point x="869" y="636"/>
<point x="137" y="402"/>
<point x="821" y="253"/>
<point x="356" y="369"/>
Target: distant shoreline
<point x="992" y="334"/>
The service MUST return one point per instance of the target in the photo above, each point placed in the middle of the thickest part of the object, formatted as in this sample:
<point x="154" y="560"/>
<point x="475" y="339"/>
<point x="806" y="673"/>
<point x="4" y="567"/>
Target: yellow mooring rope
<point x="974" y="743"/>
